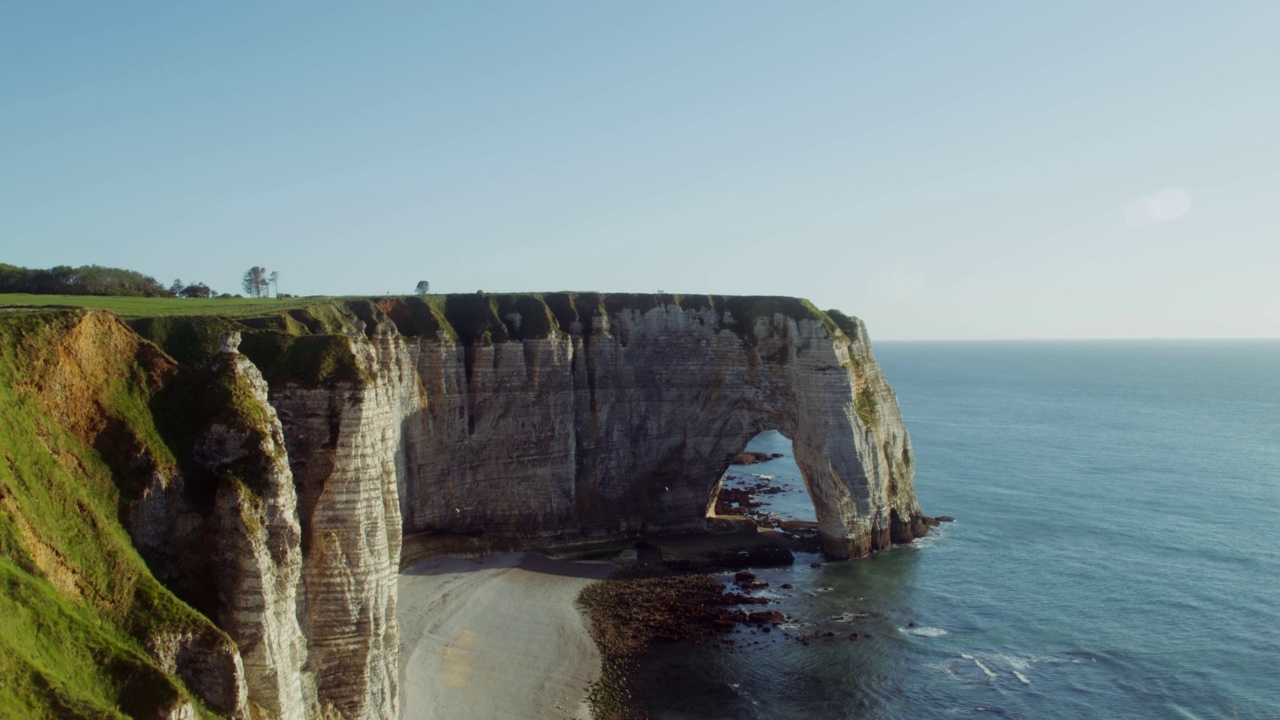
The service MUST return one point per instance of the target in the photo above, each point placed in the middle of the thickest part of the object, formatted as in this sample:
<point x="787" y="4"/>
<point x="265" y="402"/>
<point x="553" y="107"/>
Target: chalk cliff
<point x="301" y="448"/>
<point x="592" y="416"/>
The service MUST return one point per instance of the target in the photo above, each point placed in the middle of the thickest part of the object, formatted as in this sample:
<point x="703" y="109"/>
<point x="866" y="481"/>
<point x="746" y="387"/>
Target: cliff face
<point x="256" y="541"/>
<point x="225" y="532"/>
<point x="530" y="422"/>
<point x="622" y="419"/>
<point x="344" y="444"/>
<point x="270" y="485"/>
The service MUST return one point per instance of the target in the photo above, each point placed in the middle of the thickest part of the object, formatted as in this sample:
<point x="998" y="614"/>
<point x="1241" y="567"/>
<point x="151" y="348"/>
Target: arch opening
<point x="764" y="490"/>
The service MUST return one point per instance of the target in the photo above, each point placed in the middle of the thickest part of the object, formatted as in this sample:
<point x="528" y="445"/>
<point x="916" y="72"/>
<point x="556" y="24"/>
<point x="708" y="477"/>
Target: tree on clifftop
<point x="197" y="290"/>
<point x="256" y="283"/>
<point x="423" y="287"/>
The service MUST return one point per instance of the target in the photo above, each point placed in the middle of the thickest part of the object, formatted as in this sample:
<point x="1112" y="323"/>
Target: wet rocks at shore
<point x="751" y="457"/>
<point x="743" y="501"/>
<point x="632" y="610"/>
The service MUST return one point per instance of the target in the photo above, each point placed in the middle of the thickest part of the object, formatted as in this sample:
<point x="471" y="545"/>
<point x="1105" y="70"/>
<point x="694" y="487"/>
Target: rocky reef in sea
<point x="274" y="472"/>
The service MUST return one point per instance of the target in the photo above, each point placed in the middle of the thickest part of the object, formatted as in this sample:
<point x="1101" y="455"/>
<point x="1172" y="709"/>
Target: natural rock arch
<point x="621" y="418"/>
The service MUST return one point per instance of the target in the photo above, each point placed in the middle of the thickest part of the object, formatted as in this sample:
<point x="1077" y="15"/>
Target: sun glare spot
<point x="1162" y="206"/>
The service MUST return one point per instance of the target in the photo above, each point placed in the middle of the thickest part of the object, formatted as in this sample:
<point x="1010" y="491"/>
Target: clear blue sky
<point x="941" y="169"/>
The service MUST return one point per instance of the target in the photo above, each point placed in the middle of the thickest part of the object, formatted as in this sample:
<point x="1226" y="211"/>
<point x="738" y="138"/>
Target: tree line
<point x="84" y="280"/>
<point x="258" y="282"/>
<point x="99" y="280"/>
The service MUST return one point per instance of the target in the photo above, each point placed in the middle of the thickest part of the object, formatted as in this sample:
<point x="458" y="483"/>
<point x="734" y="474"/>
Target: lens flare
<point x="1164" y="205"/>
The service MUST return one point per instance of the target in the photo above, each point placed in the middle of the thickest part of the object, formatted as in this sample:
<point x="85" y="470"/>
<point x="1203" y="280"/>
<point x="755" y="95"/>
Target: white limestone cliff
<point x="568" y="419"/>
<point x="257" y="542"/>
<point x="344" y="443"/>
<point x="626" y="422"/>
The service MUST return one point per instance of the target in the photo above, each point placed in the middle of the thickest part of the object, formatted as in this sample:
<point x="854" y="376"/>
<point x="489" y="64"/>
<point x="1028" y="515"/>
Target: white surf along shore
<point x="498" y="636"/>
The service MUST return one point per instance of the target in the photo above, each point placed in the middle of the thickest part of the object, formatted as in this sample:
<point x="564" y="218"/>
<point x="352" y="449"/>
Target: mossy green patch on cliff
<point x="290" y="323"/>
<point x="484" y="319"/>
<point x="322" y="318"/>
<point x="561" y="306"/>
<point x="215" y="397"/>
<point x="526" y="315"/>
<point x="847" y="325"/>
<point x="189" y="340"/>
<point x="311" y="360"/>
<point x="304" y="345"/>
<point x="475" y="319"/>
<point x="865" y="405"/>
<point x="418" y="316"/>
<point x="77" y="598"/>
<point x="748" y="310"/>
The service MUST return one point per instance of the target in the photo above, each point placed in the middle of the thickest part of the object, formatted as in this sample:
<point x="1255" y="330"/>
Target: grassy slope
<point x="131" y="307"/>
<point x="76" y="594"/>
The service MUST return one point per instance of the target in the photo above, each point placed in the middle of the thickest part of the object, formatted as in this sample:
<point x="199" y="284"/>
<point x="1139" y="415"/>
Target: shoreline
<point x="496" y="636"/>
<point x="518" y="634"/>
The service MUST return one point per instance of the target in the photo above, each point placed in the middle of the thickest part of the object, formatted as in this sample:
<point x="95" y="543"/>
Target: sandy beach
<point x="495" y="637"/>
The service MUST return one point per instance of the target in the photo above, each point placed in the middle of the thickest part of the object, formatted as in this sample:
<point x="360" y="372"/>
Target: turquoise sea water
<point x="1116" y="552"/>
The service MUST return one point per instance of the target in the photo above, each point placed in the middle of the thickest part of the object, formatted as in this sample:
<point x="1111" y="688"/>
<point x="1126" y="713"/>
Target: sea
<point x="1115" y="551"/>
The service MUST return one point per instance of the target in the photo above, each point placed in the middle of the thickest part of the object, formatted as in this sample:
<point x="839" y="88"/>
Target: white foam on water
<point x="925" y="631"/>
<point x="1021" y="677"/>
<point x="983" y="666"/>
<point x="1025" y="661"/>
<point x="1014" y="662"/>
<point x="966" y="670"/>
<point x="928" y="540"/>
<point x="946" y="668"/>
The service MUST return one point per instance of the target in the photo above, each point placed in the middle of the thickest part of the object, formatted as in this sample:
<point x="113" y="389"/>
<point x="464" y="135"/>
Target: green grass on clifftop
<point x="131" y="307"/>
<point x="76" y="595"/>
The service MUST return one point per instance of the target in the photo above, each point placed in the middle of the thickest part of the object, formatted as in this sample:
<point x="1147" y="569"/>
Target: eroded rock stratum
<point x="302" y="448"/>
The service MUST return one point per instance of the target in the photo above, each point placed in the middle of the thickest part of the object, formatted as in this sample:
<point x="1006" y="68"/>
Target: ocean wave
<point x="992" y="674"/>
<point x="992" y="667"/>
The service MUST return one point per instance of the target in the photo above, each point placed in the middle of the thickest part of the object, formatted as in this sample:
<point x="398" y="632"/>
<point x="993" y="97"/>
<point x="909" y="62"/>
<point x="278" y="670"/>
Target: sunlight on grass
<point x="131" y="307"/>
